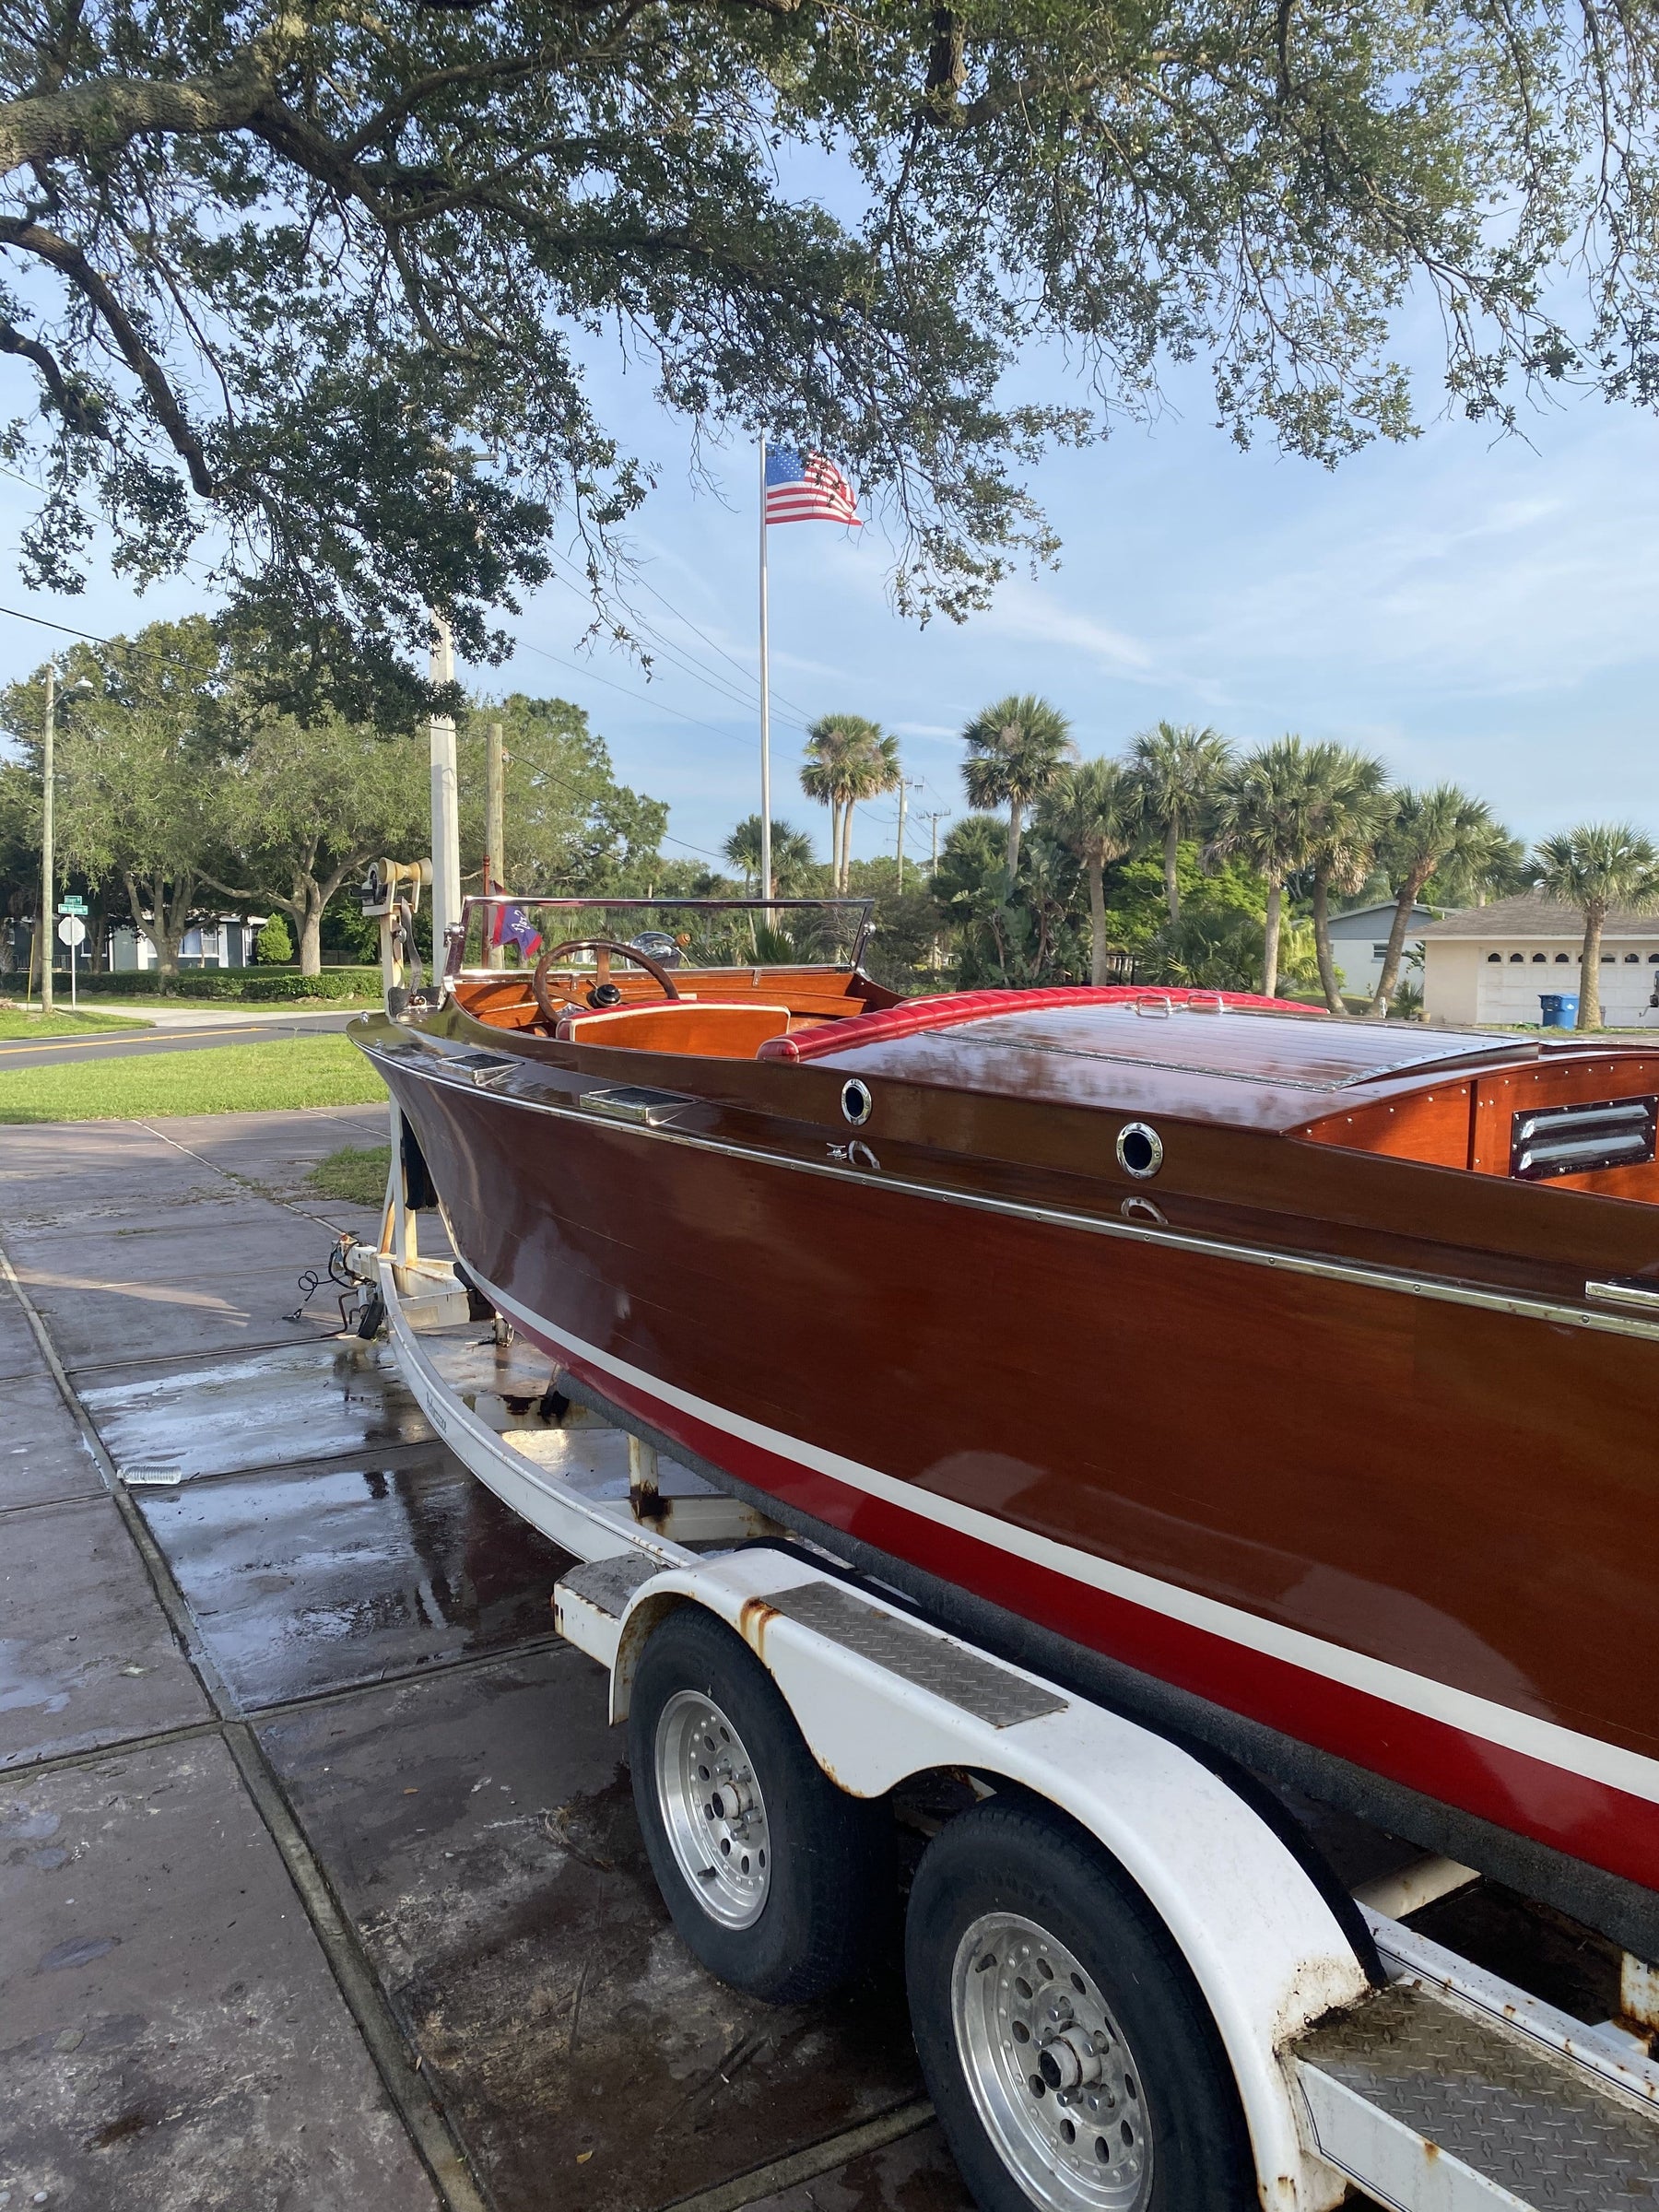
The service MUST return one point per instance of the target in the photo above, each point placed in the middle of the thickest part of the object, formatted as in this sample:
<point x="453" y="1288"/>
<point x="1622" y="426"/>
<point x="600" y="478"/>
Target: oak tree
<point x="323" y="287"/>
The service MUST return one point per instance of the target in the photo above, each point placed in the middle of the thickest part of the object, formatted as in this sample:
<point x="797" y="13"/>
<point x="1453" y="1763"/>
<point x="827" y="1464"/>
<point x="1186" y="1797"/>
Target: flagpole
<point x="765" y="704"/>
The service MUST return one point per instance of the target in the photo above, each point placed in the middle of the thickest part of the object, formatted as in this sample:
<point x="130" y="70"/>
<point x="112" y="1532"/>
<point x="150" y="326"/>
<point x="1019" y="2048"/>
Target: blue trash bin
<point x="1561" y="1009"/>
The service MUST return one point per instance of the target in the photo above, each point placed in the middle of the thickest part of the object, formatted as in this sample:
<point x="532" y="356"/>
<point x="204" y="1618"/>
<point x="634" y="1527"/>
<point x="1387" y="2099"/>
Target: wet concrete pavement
<point x="172" y="2035"/>
<point x="319" y="1880"/>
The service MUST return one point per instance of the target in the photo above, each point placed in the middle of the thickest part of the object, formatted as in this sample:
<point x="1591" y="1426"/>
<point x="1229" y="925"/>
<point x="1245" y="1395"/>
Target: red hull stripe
<point x="1574" y="1812"/>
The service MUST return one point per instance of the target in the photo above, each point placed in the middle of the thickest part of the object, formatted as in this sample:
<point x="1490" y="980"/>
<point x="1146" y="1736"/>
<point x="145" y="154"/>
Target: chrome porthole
<point x="857" y="1101"/>
<point x="1139" y="1151"/>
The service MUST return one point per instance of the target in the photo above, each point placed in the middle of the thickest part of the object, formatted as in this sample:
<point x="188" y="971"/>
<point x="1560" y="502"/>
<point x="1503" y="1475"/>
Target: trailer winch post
<point x="390" y="896"/>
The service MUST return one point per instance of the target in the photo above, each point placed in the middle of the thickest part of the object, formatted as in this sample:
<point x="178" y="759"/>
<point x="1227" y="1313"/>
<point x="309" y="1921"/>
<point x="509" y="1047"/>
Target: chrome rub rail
<point x="1439" y="1289"/>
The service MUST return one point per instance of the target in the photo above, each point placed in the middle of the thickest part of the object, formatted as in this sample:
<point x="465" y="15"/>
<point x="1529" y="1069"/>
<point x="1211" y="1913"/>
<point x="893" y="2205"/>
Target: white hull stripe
<point x="1460" y="1709"/>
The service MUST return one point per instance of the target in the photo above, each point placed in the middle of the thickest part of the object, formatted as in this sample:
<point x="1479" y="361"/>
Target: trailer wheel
<point x="777" y="1879"/>
<point x="1065" y="2045"/>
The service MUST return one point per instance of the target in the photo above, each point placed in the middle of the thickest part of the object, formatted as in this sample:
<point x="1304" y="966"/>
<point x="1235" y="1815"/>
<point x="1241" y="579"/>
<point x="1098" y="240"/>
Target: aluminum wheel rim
<point x="1056" y="2086"/>
<point x="712" y="1809"/>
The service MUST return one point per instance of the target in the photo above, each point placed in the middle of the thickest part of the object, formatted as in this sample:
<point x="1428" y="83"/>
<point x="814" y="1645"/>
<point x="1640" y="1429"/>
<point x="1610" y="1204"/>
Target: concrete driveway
<point x="320" y="1886"/>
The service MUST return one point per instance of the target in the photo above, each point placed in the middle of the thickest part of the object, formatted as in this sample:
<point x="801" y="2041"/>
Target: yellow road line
<point x="41" y="1044"/>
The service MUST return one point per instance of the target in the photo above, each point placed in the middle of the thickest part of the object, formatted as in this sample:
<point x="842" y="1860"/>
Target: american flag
<point x="805" y="488"/>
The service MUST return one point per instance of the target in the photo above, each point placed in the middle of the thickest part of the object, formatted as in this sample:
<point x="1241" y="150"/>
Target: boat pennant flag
<point x="513" y="925"/>
<point x="805" y="488"/>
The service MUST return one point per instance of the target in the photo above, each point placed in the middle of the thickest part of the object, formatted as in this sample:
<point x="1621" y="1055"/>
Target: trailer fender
<point x="880" y="1696"/>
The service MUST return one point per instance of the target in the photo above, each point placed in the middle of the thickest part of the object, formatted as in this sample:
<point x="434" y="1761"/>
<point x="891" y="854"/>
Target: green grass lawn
<point x="16" y="1022"/>
<point x="356" y="1173"/>
<point x="232" y="1078"/>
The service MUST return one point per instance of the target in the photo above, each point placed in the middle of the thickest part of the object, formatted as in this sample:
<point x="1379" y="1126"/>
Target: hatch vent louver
<point x="1571" y="1140"/>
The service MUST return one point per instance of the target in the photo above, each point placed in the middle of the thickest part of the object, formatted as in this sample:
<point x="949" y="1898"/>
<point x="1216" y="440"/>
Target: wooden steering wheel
<point x="602" y="992"/>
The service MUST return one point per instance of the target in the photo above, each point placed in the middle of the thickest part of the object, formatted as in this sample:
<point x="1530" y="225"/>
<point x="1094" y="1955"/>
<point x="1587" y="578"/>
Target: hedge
<point x="239" y="985"/>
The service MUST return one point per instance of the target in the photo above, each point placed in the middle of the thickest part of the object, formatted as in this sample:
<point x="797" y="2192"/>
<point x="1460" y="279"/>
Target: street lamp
<point x="48" y="856"/>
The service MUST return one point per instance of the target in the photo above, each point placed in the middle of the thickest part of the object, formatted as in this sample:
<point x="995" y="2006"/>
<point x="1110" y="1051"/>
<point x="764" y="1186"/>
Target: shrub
<point x="237" y="986"/>
<point x="273" y="946"/>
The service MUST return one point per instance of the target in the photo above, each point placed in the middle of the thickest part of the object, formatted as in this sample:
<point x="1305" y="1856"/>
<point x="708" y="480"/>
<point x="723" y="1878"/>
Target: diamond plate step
<point x="1423" y="2100"/>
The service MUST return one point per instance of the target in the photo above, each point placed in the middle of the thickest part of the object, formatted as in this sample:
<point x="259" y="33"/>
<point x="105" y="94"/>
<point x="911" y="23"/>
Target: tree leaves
<point x="327" y="284"/>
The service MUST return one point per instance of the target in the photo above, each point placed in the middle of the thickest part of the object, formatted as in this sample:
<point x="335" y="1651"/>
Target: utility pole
<point x="48" y="857"/>
<point x="937" y="814"/>
<point x="765" y="707"/>
<point x="905" y="784"/>
<point x="495" y="836"/>
<point x="446" y="809"/>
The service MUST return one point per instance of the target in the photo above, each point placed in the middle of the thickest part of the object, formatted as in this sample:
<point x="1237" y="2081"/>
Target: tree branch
<point x="102" y="115"/>
<point x="79" y="415"/>
<point x="63" y="254"/>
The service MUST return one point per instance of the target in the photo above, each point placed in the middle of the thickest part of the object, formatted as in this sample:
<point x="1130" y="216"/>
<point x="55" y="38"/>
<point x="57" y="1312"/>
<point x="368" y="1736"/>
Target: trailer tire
<point x="780" y="1882"/>
<point x="1012" y="1898"/>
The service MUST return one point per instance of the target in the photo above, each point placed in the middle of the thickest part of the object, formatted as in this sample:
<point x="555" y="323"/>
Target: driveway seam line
<point x="797" y="2166"/>
<point x="242" y="1182"/>
<point x="255" y="1716"/>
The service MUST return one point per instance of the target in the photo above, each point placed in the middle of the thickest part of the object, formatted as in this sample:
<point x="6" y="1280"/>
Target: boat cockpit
<point x="746" y="980"/>
<point x="713" y="979"/>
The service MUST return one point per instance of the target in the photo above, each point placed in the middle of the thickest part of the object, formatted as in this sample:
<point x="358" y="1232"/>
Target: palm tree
<point x="1094" y="808"/>
<point x="790" y="855"/>
<point x="1182" y="771"/>
<point x="1268" y="807"/>
<point x="848" y="759"/>
<point x="878" y="769"/>
<point x="1597" y="868"/>
<point x="1351" y="813"/>
<point x="1431" y="831"/>
<point x="1015" y="751"/>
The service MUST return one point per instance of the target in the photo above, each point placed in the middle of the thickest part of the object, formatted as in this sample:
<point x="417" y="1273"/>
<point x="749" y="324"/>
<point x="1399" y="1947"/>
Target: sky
<point x="1469" y="607"/>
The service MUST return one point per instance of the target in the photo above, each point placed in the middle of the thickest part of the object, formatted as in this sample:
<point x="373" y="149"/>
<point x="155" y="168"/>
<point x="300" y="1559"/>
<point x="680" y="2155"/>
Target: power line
<point x="794" y="705"/>
<point x="92" y="638"/>
<point x="686" y="666"/>
<point x="681" y="657"/>
<point x="98" y="521"/>
<point x="594" y="676"/>
<point x="689" y="663"/>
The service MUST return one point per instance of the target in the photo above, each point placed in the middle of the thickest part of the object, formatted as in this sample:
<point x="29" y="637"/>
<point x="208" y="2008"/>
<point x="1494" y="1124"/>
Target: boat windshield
<point x="509" y="931"/>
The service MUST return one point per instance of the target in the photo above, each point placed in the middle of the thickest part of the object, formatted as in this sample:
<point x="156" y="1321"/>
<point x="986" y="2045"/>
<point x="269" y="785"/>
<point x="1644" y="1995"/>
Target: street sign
<point x="72" y="931"/>
<point x="71" y="903"/>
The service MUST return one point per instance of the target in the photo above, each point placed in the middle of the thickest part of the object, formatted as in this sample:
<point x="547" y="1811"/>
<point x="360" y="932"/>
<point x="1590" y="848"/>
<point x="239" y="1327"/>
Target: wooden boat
<point x="1290" y="1381"/>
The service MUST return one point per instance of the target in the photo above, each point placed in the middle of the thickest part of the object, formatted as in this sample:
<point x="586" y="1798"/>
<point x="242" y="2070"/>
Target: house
<point x="1359" y="943"/>
<point x="1490" y="963"/>
<point x="216" y="941"/>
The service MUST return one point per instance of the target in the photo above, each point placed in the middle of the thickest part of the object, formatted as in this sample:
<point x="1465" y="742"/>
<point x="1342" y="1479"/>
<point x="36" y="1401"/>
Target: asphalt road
<point x="172" y="1037"/>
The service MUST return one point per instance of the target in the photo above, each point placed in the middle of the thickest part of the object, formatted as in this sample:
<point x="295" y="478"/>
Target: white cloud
<point x="1034" y="614"/>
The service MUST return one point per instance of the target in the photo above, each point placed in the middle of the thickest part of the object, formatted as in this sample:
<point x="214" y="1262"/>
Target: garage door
<point x="1509" y="991"/>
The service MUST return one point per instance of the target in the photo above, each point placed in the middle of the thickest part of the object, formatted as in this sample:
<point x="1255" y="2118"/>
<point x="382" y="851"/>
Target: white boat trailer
<point x="1433" y="2087"/>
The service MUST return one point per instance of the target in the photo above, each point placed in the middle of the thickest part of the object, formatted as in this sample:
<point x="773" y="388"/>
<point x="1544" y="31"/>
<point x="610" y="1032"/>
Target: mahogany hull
<point x="1406" y="1533"/>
